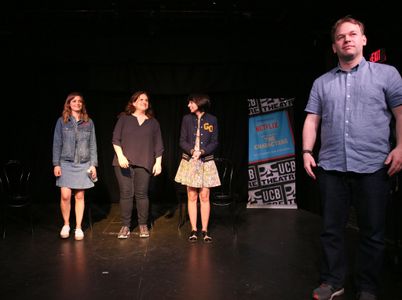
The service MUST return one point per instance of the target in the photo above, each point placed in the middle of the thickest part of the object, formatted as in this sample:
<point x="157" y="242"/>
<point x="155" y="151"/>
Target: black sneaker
<point x="193" y="236"/>
<point x="206" y="237"/>
<point x="124" y="232"/>
<point x="326" y="292"/>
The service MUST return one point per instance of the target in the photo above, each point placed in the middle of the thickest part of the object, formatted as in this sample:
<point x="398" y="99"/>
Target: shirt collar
<point x="362" y="63"/>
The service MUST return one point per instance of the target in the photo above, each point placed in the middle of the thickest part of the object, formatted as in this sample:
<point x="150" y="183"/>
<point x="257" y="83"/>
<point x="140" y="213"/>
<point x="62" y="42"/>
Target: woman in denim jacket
<point x="197" y="169"/>
<point x="74" y="160"/>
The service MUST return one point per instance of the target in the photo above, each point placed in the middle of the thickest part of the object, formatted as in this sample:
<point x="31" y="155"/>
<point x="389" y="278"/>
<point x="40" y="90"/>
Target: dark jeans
<point x="133" y="183"/>
<point x="369" y="193"/>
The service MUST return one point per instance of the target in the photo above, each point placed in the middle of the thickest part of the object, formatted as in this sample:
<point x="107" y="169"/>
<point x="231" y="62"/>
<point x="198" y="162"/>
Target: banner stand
<point x="271" y="154"/>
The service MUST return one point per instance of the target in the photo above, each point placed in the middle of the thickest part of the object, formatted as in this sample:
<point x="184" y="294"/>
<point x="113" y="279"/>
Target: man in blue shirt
<point x="353" y="105"/>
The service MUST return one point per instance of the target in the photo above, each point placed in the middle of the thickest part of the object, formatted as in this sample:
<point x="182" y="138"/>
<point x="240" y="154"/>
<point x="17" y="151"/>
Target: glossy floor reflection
<point x="272" y="254"/>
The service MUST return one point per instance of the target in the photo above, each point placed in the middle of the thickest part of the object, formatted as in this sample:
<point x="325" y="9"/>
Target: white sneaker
<point x="65" y="232"/>
<point x="79" y="234"/>
<point x="144" y="232"/>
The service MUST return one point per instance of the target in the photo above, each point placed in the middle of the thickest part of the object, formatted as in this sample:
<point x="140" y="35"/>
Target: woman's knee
<point x="79" y="196"/>
<point x="204" y="196"/>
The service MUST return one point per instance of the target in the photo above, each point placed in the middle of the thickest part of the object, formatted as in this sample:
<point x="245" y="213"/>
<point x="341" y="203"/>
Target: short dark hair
<point x="202" y="100"/>
<point x="346" y="19"/>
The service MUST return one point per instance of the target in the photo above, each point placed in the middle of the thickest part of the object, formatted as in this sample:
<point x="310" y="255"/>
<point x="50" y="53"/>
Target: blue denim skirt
<point x="74" y="176"/>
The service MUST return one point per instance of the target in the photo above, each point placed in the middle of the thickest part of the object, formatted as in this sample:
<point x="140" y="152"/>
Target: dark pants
<point x="133" y="183"/>
<point x="369" y="193"/>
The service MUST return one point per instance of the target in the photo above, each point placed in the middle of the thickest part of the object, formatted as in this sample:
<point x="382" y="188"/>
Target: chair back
<point x="223" y="194"/>
<point x="16" y="183"/>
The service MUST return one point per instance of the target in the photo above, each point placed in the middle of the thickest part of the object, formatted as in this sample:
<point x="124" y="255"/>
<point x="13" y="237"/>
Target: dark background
<point x="232" y="50"/>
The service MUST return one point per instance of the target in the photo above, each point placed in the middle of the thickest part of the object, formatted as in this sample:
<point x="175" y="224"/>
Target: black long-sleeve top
<point x="141" y="144"/>
<point x="208" y="133"/>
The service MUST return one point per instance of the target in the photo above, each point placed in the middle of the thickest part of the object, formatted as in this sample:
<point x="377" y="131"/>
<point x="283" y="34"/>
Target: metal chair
<point x="223" y="195"/>
<point x="16" y="191"/>
<point x="181" y="195"/>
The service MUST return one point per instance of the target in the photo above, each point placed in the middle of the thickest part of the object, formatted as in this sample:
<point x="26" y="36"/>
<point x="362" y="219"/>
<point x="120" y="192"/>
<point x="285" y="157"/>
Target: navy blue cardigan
<point x="208" y="133"/>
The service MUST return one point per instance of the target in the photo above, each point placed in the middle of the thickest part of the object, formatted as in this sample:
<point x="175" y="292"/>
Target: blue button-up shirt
<point x="355" y="115"/>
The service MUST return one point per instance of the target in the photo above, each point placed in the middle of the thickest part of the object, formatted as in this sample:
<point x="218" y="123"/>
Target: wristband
<point x="307" y="151"/>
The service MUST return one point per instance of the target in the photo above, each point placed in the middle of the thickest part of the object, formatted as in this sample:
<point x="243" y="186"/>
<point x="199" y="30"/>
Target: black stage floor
<point x="271" y="254"/>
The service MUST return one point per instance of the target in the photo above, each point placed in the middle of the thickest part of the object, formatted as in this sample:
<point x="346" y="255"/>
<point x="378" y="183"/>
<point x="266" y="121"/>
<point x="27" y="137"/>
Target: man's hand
<point x="309" y="164"/>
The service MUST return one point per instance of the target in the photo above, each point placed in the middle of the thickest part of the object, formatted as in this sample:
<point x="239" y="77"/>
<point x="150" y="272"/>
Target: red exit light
<point x="378" y="56"/>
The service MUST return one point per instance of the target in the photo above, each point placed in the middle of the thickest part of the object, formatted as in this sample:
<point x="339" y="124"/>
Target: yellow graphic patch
<point x="208" y="127"/>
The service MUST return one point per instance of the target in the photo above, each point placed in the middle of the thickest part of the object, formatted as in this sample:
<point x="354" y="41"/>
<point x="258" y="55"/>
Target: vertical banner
<point x="271" y="154"/>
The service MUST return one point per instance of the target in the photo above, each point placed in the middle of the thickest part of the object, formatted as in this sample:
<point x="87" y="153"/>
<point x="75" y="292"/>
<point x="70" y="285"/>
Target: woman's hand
<point x="123" y="162"/>
<point x="156" y="169"/>
<point x="57" y="171"/>
<point x="93" y="172"/>
<point x="196" y="154"/>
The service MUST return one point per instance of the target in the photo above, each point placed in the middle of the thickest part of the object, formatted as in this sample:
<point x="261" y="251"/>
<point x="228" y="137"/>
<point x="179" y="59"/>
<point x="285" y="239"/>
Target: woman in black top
<point x="138" y="146"/>
<point x="197" y="169"/>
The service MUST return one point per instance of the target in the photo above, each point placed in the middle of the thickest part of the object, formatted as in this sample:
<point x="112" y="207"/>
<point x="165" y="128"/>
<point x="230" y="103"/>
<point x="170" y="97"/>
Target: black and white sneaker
<point x="193" y="236"/>
<point x="206" y="237"/>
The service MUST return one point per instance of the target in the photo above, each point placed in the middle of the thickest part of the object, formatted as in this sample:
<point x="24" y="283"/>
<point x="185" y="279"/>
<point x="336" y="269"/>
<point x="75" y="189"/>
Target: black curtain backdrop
<point x="107" y="55"/>
<point x="107" y="87"/>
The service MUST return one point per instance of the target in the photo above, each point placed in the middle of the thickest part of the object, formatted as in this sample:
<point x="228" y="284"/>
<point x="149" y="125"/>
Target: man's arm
<point x="394" y="158"/>
<point x="310" y="129"/>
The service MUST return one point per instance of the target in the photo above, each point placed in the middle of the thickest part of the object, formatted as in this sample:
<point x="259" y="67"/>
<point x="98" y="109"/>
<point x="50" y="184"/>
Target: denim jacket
<point x="75" y="142"/>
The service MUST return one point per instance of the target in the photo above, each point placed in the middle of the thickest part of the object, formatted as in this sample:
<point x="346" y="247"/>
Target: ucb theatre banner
<point x="271" y="154"/>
